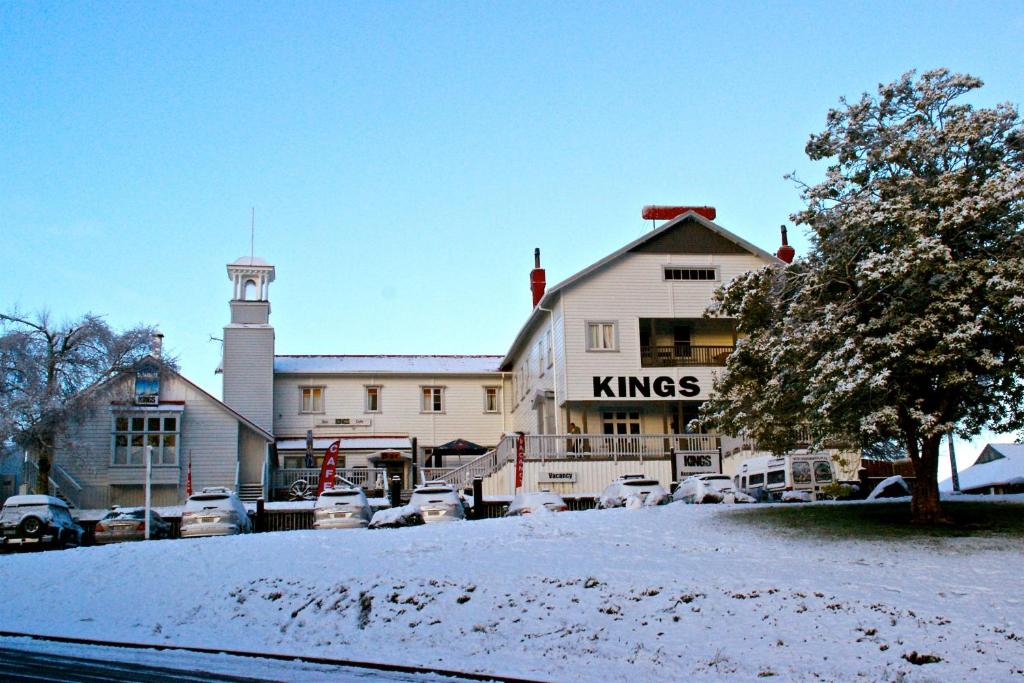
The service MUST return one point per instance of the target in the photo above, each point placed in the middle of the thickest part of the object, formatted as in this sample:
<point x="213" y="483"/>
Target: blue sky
<point x="404" y="159"/>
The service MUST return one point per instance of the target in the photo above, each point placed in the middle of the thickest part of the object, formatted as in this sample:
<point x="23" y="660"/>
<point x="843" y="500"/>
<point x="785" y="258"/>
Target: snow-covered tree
<point x="49" y="374"/>
<point x="906" y="318"/>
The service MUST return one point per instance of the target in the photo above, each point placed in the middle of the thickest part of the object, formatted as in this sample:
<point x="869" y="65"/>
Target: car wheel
<point x="31" y="527"/>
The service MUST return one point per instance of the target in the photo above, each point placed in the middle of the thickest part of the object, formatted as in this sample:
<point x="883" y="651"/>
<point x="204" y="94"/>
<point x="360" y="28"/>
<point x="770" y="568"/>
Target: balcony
<point x="683" y="355"/>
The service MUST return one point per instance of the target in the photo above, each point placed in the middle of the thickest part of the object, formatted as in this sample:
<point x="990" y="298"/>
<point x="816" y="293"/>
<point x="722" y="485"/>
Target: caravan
<point x="770" y="477"/>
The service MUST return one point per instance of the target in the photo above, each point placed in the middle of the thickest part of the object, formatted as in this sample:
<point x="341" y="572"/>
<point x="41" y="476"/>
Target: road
<point x="25" y="660"/>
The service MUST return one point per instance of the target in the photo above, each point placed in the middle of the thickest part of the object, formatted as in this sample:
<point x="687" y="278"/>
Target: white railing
<point x="365" y="477"/>
<point x="477" y="468"/>
<point x="614" y="446"/>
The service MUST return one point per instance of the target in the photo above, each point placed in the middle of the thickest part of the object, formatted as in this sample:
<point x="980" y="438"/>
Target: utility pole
<point x="952" y="462"/>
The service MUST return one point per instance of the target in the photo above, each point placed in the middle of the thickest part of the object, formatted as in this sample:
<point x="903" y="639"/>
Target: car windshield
<point x="339" y="493"/>
<point x="430" y="492"/>
<point x="207" y="502"/>
<point x="717" y="477"/>
<point x="640" y="482"/>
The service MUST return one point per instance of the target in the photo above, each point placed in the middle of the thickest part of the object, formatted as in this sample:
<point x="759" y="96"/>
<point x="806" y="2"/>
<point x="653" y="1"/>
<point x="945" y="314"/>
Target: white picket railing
<point x="477" y="468"/>
<point x="365" y="477"/>
<point x="615" y="446"/>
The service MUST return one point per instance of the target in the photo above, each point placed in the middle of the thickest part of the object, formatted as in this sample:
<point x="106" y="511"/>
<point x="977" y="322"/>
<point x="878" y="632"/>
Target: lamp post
<point x="149" y="479"/>
<point x="952" y="461"/>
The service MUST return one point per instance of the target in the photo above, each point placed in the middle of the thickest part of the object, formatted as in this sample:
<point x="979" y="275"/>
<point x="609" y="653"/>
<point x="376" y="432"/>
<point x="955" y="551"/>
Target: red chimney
<point x="667" y="213"/>
<point x="537" y="279"/>
<point x="785" y="252"/>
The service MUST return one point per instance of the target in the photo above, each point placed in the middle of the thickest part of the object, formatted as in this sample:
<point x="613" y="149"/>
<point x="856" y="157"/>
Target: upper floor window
<point x="312" y="399"/>
<point x="541" y="354"/>
<point x="492" y="400"/>
<point x="677" y="273"/>
<point x="550" y="349"/>
<point x="372" y="404"/>
<point x="602" y="336"/>
<point x="433" y="400"/>
<point x="132" y="433"/>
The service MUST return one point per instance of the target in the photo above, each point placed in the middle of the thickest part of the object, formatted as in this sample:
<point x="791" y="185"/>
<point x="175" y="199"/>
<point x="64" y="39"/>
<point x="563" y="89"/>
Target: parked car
<point x="341" y="508"/>
<point x="709" y="488"/>
<point x="436" y="501"/>
<point x="214" y="511"/>
<point x="538" y="501"/>
<point x="38" y="520"/>
<point x="768" y="477"/>
<point x="632" y="489"/>
<point x="129" y="524"/>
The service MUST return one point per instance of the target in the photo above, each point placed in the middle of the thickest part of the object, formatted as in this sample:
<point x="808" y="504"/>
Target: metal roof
<point x="386" y="364"/>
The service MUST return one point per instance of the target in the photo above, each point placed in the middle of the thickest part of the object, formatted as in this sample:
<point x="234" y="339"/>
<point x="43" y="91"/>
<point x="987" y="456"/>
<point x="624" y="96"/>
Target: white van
<point x="768" y="477"/>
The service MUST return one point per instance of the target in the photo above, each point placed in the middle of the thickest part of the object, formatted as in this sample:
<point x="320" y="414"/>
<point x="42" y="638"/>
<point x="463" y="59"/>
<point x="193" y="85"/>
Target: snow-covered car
<point x="632" y="490"/>
<point x="391" y="518"/>
<point x="38" y="519"/>
<point x="539" y="501"/>
<point x="129" y="524"/>
<point x="436" y="501"/>
<point x="709" y="488"/>
<point x="214" y="511"/>
<point x="341" y="508"/>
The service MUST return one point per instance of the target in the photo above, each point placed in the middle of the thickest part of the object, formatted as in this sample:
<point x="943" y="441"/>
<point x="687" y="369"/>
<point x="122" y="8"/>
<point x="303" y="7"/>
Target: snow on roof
<point x="374" y="443"/>
<point x="249" y="261"/>
<point x="1000" y="471"/>
<point x="34" y="499"/>
<point x="427" y="365"/>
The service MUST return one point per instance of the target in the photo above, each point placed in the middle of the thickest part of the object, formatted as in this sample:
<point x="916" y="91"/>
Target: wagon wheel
<point x="300" y="490"/>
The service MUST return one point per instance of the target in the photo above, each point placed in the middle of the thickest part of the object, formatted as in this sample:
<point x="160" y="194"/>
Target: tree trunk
<point x="43" y="478"/>
<point x="924" y="505"/>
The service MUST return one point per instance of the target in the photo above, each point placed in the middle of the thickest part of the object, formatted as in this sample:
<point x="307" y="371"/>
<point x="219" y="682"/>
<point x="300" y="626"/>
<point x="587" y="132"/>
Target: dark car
<point x="38" y="520"/>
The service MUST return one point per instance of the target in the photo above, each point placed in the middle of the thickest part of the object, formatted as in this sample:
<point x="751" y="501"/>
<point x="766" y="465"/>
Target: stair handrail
<point x="481" y="466"/>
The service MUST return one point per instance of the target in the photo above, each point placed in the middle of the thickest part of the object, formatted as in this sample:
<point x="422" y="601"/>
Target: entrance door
<point x="394" y="468"/>
<point x="622" y="423"/>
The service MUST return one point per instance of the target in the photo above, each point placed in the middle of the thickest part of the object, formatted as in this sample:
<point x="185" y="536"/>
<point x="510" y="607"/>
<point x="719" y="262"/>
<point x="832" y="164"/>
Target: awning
<point x="358" y="443"/>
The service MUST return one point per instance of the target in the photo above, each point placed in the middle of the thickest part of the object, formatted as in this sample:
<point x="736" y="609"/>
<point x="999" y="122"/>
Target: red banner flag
<point x="520" y="456"/>
<point x="188" y="480"/>
<point x="328" y="469"/>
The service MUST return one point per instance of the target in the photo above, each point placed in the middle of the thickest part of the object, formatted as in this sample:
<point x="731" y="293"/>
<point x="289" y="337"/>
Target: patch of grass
<point x="885" y="520"/>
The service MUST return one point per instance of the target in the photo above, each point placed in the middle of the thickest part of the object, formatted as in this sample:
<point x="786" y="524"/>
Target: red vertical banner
<point x="328" y="469"/>
<point x="188" y="480"/>
<point x="520" y="457"/>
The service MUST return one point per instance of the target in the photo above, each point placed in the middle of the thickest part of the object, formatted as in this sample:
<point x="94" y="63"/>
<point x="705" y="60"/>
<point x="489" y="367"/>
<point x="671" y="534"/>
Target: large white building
<point x="604" y="378"/>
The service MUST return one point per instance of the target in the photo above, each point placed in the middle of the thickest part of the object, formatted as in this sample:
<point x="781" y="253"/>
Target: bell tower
<point x="248" y="366"/>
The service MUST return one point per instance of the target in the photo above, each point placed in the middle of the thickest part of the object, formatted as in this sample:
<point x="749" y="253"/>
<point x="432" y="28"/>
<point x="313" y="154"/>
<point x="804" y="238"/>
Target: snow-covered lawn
<point x="672" y="593"/>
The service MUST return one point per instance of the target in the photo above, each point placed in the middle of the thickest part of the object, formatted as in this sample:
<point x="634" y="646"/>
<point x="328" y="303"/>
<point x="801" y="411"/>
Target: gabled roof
<point x="999" y="464"/>
<point x="386" y="364"/>
<point x="552" y="292"/>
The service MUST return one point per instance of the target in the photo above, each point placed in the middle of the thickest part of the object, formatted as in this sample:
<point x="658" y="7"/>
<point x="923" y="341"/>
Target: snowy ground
<point x="677" y="592"/>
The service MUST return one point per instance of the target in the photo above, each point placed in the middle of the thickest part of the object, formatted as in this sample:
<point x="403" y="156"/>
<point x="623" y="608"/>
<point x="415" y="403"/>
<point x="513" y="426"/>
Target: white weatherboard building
<point x="604" y="378"/>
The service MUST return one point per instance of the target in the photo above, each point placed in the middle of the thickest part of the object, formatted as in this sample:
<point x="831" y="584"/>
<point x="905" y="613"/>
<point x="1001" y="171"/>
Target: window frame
<point x="302" y="396"/>
<point x="497" y="399"/>
<point x="440" y="389"/>
<point x="717" y="273"/>
<point x="615" y="336"/>
<point x="550" y="348"/>
<point x="378" y="395"/>
<point x="144" y="435"/>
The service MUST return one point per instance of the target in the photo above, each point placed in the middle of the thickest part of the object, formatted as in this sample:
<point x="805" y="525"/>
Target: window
<point x="621" y="422"/>
<point x="433" y="400"/>
<point x="706" y="274"/>
<point x="250" y="290"/>
<point x="602" y="336"/>
<point x="132" y="433"/>
<point x="492" y="400"/>
<point x="756" y="480"/>
<point x="541" y="354"/>
<point x="822" y="471"/>
<point x="372" y="404"/>
<point x="550" y="348"/>
<point x="776" y="477"/>
<point x="312" y="400"/>
<point x="801" y="472"/>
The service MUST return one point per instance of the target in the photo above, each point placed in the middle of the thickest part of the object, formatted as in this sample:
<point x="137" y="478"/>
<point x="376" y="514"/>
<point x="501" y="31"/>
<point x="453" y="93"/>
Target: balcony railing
<point x="616" y="446"/>
<point x="366" y="477"/>
<point x="682" y="355"/>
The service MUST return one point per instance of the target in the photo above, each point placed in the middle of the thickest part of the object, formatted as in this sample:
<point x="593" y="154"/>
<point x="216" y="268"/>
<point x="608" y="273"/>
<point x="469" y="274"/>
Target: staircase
<point x="478" y="468"/>
<point x="250" y="493"/>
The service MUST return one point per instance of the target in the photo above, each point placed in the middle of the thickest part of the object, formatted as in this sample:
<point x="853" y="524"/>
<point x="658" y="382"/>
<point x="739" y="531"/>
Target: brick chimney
<point x="156" y="347"/>
<point x="667" y="213"/>
<point x="785" y="252"/>
<point x="537" y="279"/>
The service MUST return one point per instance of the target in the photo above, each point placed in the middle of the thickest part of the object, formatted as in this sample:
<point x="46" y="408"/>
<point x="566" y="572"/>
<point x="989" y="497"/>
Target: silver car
<point x="214" y="511"/>
<point x="341" y="508"/>
<point x="436" y="501"/>
<point x="129" y="524"/>
<point x="539" y="501"/>
<point x="632" y="489"/>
